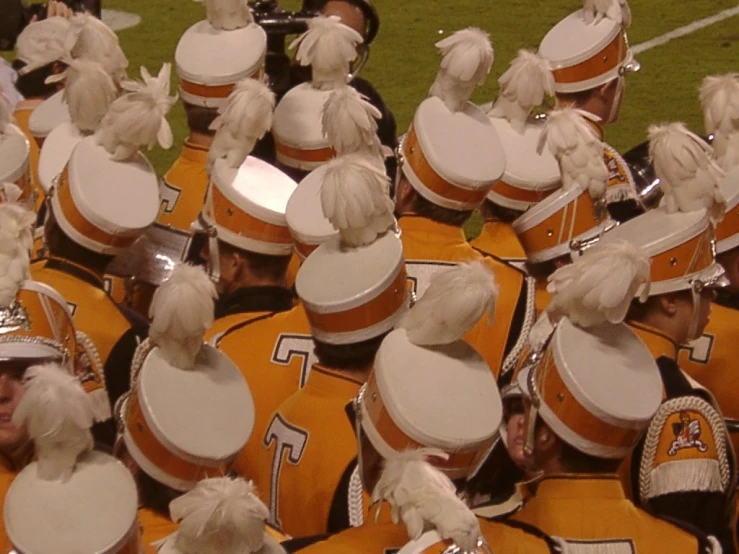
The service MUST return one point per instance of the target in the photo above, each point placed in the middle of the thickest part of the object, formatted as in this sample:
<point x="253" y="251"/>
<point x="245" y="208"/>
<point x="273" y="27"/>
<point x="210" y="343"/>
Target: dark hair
<point x="575" y="98"/>
<point x="492" y="211"/>
<point x="638" y="310"/>
<point x="32" y="84"/>
<point x="357" y="355"/>
<point x="429" y="210"/>
<point x="59" y="244"/>
<point x="262" y="266"/>
<point x="542" y="270"/>
<point x="199" y="118"/>
<point x="575" y="461"/>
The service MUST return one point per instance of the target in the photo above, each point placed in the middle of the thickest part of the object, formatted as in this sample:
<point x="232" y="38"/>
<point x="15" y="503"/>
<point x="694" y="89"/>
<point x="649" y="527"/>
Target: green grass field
<point x="404" y="61"/>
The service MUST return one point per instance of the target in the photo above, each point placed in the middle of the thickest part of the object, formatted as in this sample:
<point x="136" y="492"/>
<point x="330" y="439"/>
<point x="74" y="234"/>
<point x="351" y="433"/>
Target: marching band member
<point x="590" y="57"/>
<point x="591" y="389"/>
<point x="15" y="165"/>
<point x="439" y="188"/>
<point x="353" y="289"/>
<point x="684" y="467"/>
<point x="189" y="411"/>
<point x="531" y="174"/>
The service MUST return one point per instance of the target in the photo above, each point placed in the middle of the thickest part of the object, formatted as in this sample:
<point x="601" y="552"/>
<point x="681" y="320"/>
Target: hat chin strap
<point x="530" y="442"/>
<point x="695" y="314"/>
<point x="214" y="258"/>
<point x="620" y="87"/>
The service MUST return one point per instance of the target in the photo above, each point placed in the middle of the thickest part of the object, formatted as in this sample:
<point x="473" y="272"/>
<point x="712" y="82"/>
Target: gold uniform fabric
<point x="498" y="239"/>
<point x="22" y="116"/>
<point x="593" y="510"/>
<point x="183" y="188"/>
<point x="154" y="528"/>
<point x="305" y="451"/>
<point x="430" y="247"/>
<point x="275" y="364"/>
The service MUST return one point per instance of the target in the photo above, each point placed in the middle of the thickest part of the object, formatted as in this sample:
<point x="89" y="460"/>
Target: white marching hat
<point x="43" y="42"/>
<point x="308" y="226"/>
<point x="102" y="204"/>
<point x="727" y="230"/>
<point x="530" y="175"/>
<point x="190" y="411"/>
<point x="589" y="47"/>
<point x="216" y="53"/>
<point x="51" y="113"/>
<point x="55" y="153"/>
<point x="424" y="362"/>
<point x="14" y="161"/>
<point x="596" y="388"/>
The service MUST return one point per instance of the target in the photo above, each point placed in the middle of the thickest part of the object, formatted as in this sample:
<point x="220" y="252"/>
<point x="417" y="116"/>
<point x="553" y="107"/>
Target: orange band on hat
<point x="399" y="441"/>
<point x="690" y="257"/>
<point x="570" y="221"/>
<point x="432" y="180"/>
<point x="228" y="215"/>
<point x="80" y="224"/>
<point x="212" y="91"/>
<point x="557" y="397"/>
<point x="319" y="155"/>
<point x="729" y="225"/>
<point x="599" y="64"/>
<point x="512" y="192"/>
<point x="372" y="312"/>
<point x="159" y="455"/>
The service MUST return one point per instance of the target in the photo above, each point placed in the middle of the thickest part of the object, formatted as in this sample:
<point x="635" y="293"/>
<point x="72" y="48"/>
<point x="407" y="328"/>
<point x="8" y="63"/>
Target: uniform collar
<point x="254" y="299"/>
<point x="658" y="342"/>
<point x="597" y="127"/>
<point x="570" y="486"/>
<point x="412" y="223"/>
<point x="333" y="379"/>
<point x="70" y="268"/>
<point x="196" y="153"/>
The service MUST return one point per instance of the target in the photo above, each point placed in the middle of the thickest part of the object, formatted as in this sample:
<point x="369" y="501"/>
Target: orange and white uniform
<point x="154" y="528"/>
<point x="606" y="518"/>
<point x="430" y="246"/>
<point x="276" y="364"/>
<point x="306" y="471"/>
<point x="498" y="239"/>
<point x="183" y="188"/>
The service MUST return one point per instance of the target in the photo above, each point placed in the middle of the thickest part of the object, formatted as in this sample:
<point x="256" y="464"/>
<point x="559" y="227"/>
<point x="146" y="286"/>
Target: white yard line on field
<point x="683" y="31"/>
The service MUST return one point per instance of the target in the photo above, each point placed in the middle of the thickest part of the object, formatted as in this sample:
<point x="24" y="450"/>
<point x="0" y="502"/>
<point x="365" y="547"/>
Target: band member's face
<point x="515" y="432"/>
<point x="11" y="392"/>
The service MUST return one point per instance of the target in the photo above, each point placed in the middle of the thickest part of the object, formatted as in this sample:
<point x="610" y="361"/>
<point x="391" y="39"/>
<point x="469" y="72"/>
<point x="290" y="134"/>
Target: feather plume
<point x="227" y="15"/>
<point x="720" y="99"/>
<point x="540" y="332"/>
<point x="350" y="123"/>
<point x="10" y="192"/>
<point x="523" y="87"/>
<point x="600" y="285"/>
<point x="617" y="10"/>
<point x="242" y="121"/>
<point x="58" y="414"/>
<point x="16" y="241"/>
<point x="181" y="312"/>
<point x="355" y="199"/>
<point x="467" y="57"/>
<point x="572" y="140"/>
<point x="454" y="302"/>
<point x="138" y="117"/>
<point x="221" y="515"/>
<point x="689" y="176"/>
<point x="425" y="499"/>
<point x="329" y="47"/>
<point x="94" y="40"/>
<point x="88" y="91"/>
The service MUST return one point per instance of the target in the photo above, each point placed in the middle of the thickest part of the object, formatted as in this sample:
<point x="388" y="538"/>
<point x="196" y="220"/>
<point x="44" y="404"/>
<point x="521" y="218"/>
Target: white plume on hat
<point x="350" y="123"/>
<point x="181" y="311"/>
<point x="599" y="286"/>
<point x="243" y="120"/>
<point x="424" y="499"/>
<point x="578" y="150"/>
<point x="329" y="47"/>
<point x="10" y="192"/>
<point x="227" y="15"/>
<point x="16" y="241"/>
<point x="719" y="96"/>
<point x="95" y="41"/>
<point x="617" y="10"/>
<point x="523" y="86"/>
<point x="138" y="117"/>
<point x="88" y="91"/>
<point x="220" y="515"/>
<point x="355" y="199"/>
<point x="43" y="42"/>
<point x="684" y="164"/>
<point x="58" y="414"/>
<point x="467" y="57"/>
<point x="454" y="302"/>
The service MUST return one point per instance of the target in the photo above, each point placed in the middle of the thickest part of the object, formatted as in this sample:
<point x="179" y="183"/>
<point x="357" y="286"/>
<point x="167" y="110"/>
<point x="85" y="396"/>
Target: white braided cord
<point x="92" y="355"/>
<point x="528" y="321"/>
<point x="651" y="441"/>
<point x="142" y="351"/>
<point x="355" y="499"/>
